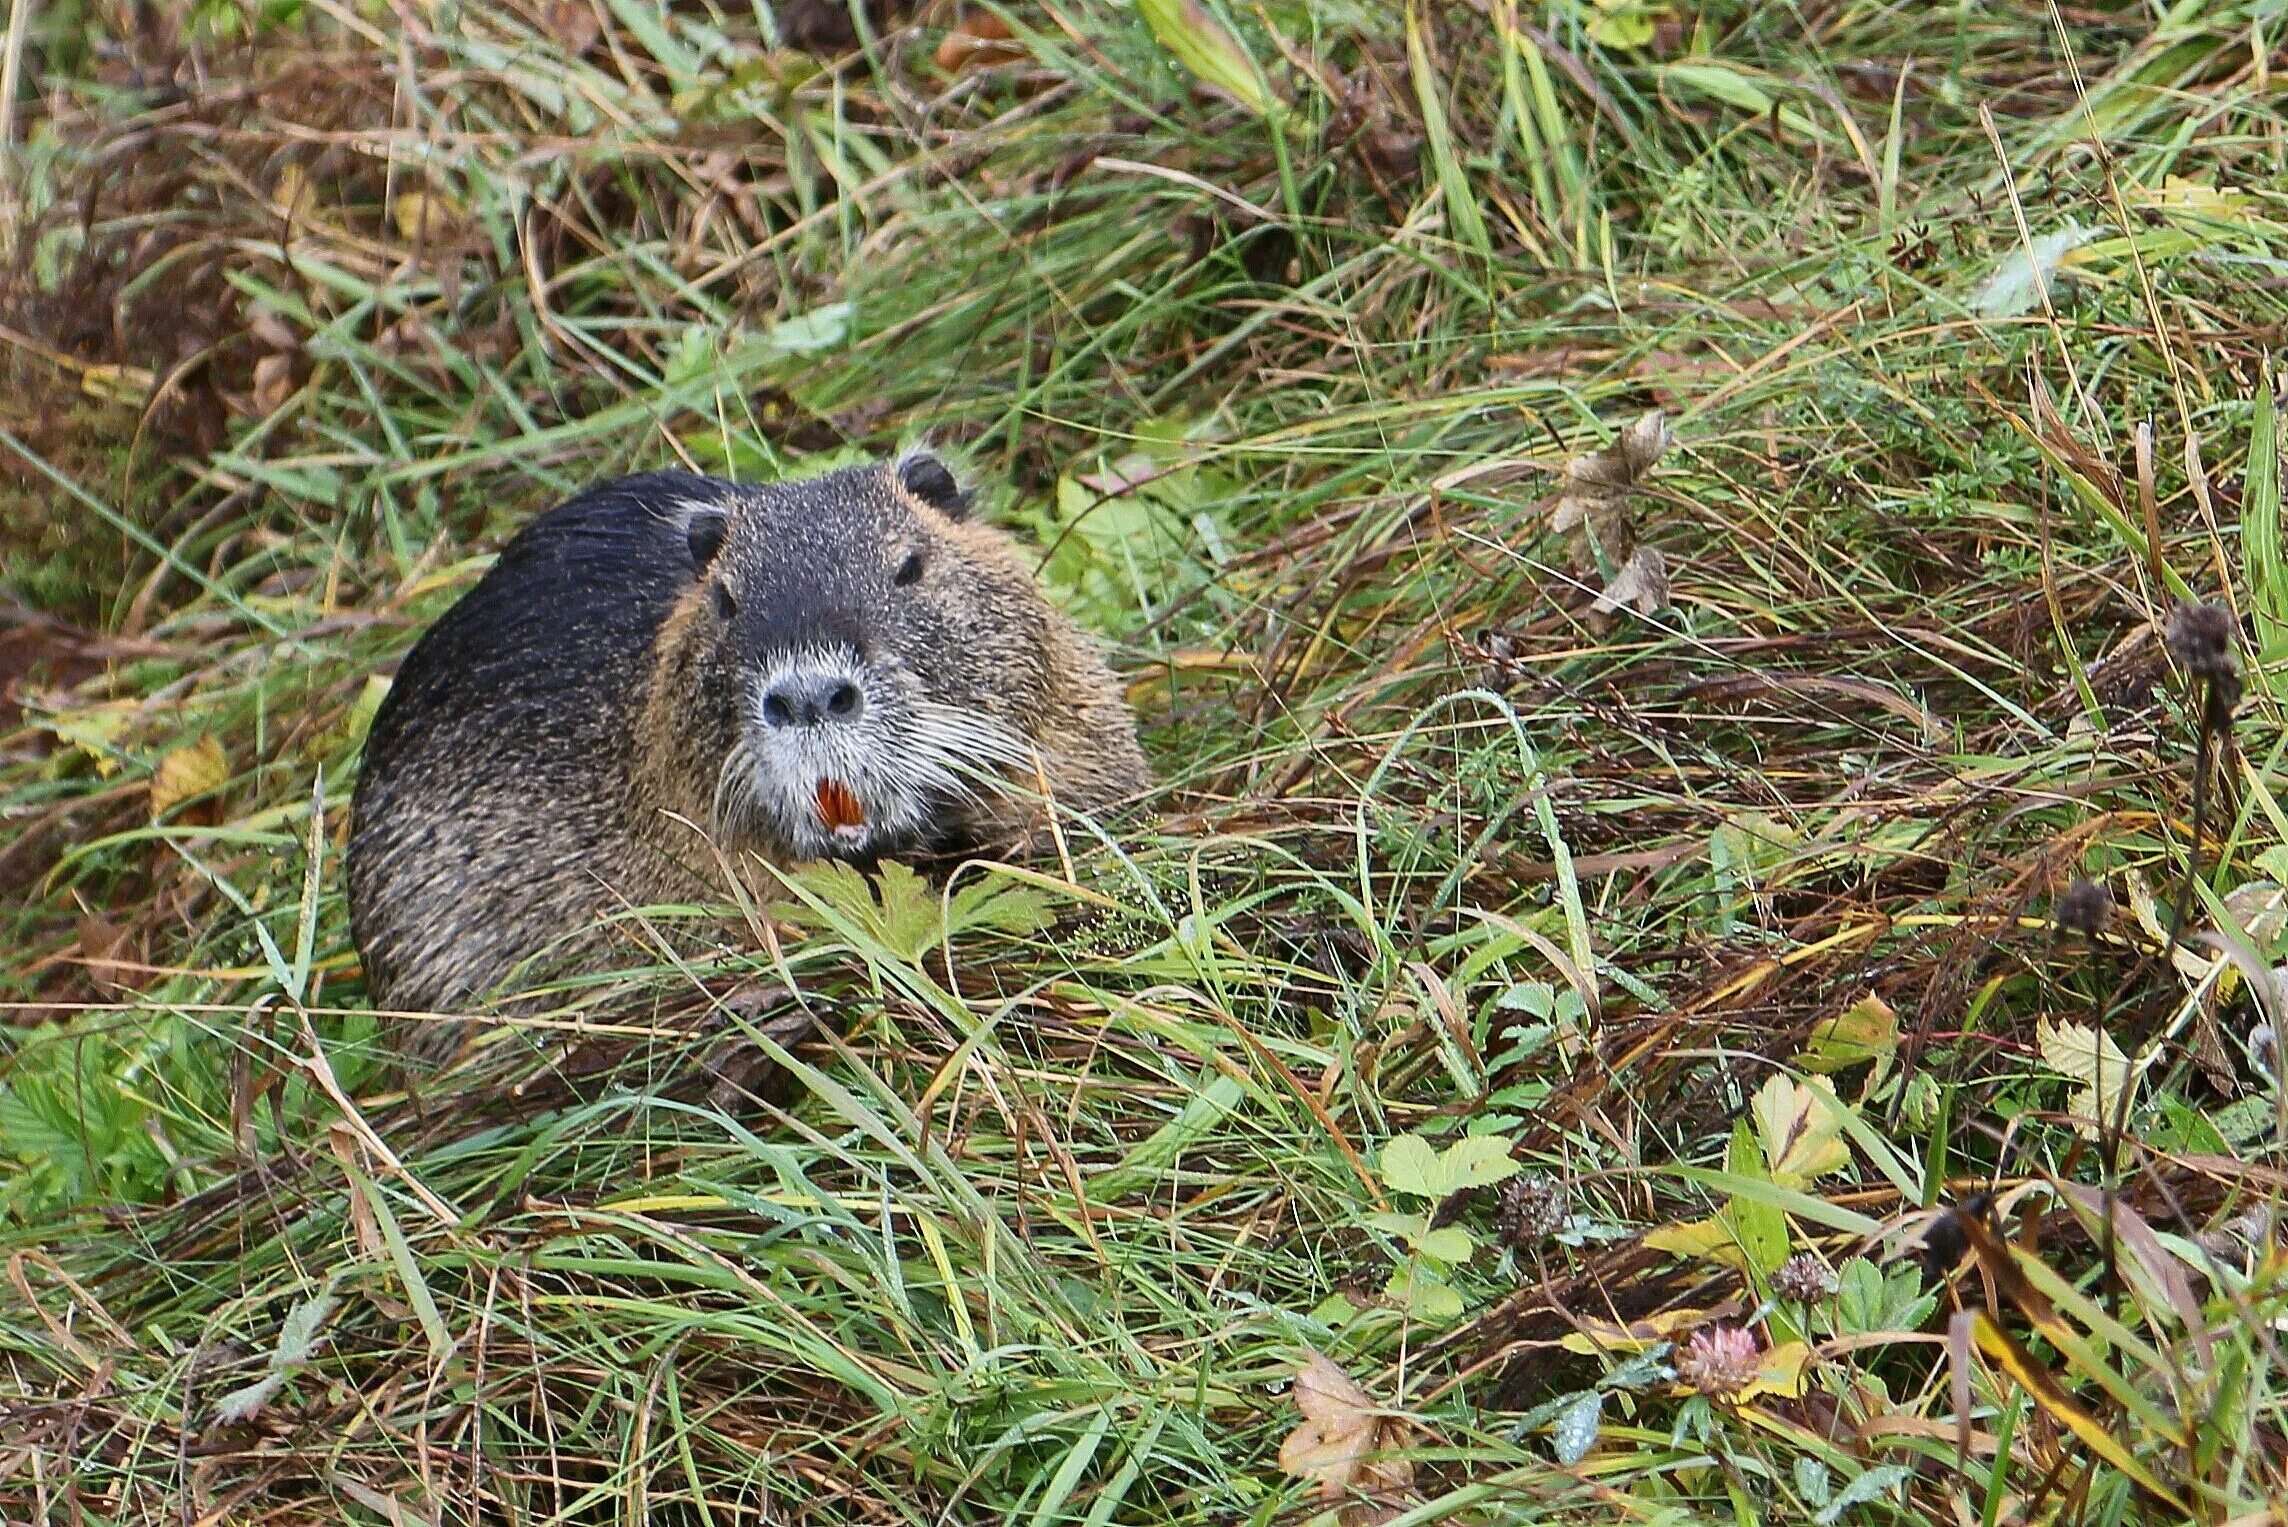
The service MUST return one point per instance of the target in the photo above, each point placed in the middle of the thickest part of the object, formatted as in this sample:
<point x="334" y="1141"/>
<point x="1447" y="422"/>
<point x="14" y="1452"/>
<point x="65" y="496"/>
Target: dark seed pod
<point x="1803" y="1278"/>
<point x="2201" y="638"/>
<point x="1531" y="1210"/>
<point x="2086" y="908"/>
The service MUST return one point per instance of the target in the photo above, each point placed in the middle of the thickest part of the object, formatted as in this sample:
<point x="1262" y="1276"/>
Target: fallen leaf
<point x="273" y="383"/>
<point x="1866" y="1030"/>
<point x="1342" y="1433"/>
<point x="1710" y="1239"/>
<point x="982" y="41"/>
<point x="573" y="24"/>
<point x="1598" y="1337"/>
<point x="188" y="771"/>
<point x="1800" y="1126"/>
<point x="1641" y="584"/>
<point x="2089" y="1056"/>
<point x="1592" y="510"/>
<point x="100" y="942"/>
<point x="420" y="216"/>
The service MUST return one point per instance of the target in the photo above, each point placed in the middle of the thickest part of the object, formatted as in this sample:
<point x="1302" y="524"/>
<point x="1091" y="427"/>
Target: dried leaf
<point x="273" y="383"/>
<point x="1598" y="1337"/>
<point x="1800" y="1127"/>
<point x="982" y="41"/>
<point x="1710" y="1238"/>
<point x="1592" y="511"/>
<point x="1642" y="584"/>
<point x="100" y="942"/>
<point x="427" y="215"/>
<point x="186" y="772"/>
<point x="1341" y="1429"/>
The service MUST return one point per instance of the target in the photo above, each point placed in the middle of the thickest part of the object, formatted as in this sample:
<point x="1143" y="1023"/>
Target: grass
<point x="1500" y="998"/>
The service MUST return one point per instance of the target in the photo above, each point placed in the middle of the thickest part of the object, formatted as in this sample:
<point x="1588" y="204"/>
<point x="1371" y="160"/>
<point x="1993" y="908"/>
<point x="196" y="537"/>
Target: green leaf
<point x="1758" y="1228"/>
<point x="1450" y="1244"/>
<point x="1205" y="46"/>
<point x="1476" y="1161"/>
<point x="1410" y="1165"/>
<point x="1576" y="1429"/>
<point x="1867" y="1302"/>
<point x="820" y="329"/>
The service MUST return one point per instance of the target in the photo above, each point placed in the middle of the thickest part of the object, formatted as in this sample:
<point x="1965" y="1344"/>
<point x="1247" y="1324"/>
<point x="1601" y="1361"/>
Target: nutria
<point x="845" y="666"/>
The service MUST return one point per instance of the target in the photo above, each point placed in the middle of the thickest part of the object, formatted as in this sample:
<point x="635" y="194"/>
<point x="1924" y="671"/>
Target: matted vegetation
<point x="1531" y="1061"/>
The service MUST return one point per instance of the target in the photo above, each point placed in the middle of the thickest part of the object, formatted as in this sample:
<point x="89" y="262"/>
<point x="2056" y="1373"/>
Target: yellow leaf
<point x="1707" y="1238"/>
<point x="96" y="730"/>
<point x="1866" y="1030"/>
<point x="422" y="214"/>
<point x="186" y="772"/>
<point x="1800" y="1126"/>
<point x="1780" y="1372"/>
<point x="1598" y="1336"/>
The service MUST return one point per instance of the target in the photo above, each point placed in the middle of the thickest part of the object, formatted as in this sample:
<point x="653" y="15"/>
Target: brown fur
<point x="554" y="748"/>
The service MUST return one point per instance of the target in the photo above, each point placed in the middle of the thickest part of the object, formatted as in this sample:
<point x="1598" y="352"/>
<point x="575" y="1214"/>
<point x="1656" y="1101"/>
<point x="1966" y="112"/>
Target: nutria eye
<point x="725" y="605"/>
<point x="909" y="571"/>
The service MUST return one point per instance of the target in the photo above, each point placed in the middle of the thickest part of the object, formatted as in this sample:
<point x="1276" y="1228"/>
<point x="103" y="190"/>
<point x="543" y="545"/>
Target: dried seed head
<point x="2201" y="638"/>
<point x="2086" y="908"/>
<point x="1803" y="1278"/>
<point x="1719" y="1360"/>
<point x="1531" y="1210"/>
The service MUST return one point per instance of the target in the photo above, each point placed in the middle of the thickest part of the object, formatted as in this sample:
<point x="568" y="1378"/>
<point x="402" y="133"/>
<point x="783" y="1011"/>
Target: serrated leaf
<point x="1424" y="1295"/>
<point x="1450" y="1244"/>
<point x="820" y="329"/>
<point x="1476" y="1161"/>
<point x="1344" y="1441"/>
<point x="2090" y="1056"/>
<point x="1867" y="1302"/>
<point x="1575" y="1431"/>
<point x="298" y="1333"/>
<point x="1758" y="1228"/>
<point x="186" y="772"/>
<point x="1204" y="45"/>
<point x="242" y="1405"/>
<point x="1800" y="1126"/>
<point x="1410" y="1165"/>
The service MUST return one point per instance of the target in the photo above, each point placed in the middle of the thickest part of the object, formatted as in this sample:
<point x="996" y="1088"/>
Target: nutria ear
<point x="933" y="482"/>
<point x="705" y="535"/>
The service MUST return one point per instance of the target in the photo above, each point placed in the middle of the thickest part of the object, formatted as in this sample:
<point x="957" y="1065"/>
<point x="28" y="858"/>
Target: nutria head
<point x="874" y="673"/>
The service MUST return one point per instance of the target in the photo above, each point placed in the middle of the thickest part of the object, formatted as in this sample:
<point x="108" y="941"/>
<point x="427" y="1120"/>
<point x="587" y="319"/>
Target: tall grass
<point x="1642" y="1051"/>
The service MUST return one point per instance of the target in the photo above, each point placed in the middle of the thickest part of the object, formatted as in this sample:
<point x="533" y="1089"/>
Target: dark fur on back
<point x="523" y="695"/>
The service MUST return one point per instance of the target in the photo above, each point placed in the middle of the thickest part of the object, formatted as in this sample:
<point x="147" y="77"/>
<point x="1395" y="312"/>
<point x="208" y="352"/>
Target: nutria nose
<point x="811" y="699"/>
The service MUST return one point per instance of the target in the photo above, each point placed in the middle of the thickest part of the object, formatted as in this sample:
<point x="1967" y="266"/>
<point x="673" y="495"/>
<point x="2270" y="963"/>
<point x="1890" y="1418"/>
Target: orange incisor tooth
<point x="838" y="805"/>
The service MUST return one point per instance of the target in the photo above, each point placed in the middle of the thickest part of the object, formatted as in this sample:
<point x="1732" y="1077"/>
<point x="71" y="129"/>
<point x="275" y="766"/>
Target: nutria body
<point x="843" y="667"/>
